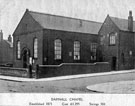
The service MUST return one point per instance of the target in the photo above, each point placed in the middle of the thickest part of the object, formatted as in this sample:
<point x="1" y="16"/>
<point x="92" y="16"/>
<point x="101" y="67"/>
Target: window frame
<point x="57" y="49"/>
<point x="34" y="48"/>
<point x="112" y="39"/>
<point x="77" y="49"/>
<point x="17" y="52"/>
<point x="93" y="49"/>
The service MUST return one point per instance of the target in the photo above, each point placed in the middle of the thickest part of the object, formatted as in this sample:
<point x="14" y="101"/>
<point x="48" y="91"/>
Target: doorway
<point x="114" y="59"/>
<point x="25" y="59"/>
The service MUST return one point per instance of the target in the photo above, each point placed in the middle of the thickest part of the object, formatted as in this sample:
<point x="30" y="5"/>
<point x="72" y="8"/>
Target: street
<point x="77" y="85"/>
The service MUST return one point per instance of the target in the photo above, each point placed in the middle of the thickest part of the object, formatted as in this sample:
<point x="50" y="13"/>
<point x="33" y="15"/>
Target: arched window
<point x="112" y="39"/>
<point x="57" y="49"/>
<point x="18" y="50"/>
<point x="76" y="50"/>
<point x="35" y="48"/>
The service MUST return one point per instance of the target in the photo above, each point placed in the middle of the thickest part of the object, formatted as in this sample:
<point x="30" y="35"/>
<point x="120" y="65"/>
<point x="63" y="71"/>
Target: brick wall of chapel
<point x="26" y="31"/>
<point x="68" y="39"/>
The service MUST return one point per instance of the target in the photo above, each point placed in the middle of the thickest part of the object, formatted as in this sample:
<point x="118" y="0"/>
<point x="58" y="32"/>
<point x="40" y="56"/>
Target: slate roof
<point x="6" y="42"/>
<point x="10" y="43"/>
<point x="122" y="24"/>
<point x="49" y="21"/>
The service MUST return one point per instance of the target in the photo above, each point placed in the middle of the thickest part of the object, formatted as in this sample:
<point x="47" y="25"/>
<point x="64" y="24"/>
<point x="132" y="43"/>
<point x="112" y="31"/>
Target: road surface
<point x="77" y="85"/>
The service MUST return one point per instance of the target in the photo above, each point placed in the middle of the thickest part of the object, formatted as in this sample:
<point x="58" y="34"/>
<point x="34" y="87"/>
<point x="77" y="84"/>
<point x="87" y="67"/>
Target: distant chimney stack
<point x="9" y="38"/>
<point x="130" y="21"/>
<point x="1" y="35"/>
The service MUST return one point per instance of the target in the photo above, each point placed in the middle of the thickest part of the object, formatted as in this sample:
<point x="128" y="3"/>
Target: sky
<point x="11" y="11"/>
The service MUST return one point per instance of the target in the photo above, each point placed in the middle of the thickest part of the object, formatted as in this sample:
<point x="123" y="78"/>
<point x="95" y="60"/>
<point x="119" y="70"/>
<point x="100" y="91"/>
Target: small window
<point x="93" y="51"/>
<point x="35" y="48"/>
<point x="18" y="50"/>
<point x="57" y="49"/>
<point x="76" y="50"/>
<point x="112" y="39"/>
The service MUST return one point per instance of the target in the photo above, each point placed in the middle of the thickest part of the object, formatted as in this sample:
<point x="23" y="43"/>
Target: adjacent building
<point x="6" y="50"/>
<point x="117" y="42"/>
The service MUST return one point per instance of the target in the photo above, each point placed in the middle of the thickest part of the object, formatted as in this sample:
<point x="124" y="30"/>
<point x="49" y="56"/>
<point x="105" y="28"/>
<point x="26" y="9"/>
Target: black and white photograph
<point x="67" y="47"/>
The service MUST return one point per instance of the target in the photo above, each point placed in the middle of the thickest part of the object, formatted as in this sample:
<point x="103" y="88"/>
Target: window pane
<point x="35" y="48"/>
<point x="76" y="50"/>
<point x="112" y="39"/>
<point x="57" y="48"/>
<point x="18" y="50"/>
<point x="93" y="51"/>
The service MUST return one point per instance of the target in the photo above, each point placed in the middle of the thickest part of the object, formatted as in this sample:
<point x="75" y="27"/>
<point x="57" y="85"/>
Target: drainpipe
<point x="118" y="35"/>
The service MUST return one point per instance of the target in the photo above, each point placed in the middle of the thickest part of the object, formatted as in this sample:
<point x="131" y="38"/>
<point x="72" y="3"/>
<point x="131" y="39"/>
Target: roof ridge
<point x="120" y="18"/>
<point x="122" y="23"/>
<point x="65" y="17"/>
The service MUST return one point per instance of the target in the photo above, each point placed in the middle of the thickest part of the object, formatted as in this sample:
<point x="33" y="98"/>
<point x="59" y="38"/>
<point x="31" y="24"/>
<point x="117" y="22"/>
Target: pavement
<point x="20" y="79"/>
<point x="118" y="87"/>
<point x="64" y="84"/>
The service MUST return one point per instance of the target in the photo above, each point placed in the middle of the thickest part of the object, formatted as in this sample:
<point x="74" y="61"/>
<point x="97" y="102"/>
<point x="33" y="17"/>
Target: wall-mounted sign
<point x="70" y="53"/>
<point x="130" y="52"/>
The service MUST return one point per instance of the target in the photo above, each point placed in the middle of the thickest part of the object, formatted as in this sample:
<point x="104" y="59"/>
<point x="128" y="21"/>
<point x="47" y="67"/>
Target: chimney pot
<point x="130" y="21"/>
<point x="27" y="9"/>
<point x="1" y="35"/>
<point x="130" y="13"/>
<point x="9" y="38"/>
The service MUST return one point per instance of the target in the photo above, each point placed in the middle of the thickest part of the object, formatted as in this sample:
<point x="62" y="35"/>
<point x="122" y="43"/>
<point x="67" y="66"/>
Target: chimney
<point x="130" y="21"/>
<point x="9" y="38"/>
<point x="1" y="35"/>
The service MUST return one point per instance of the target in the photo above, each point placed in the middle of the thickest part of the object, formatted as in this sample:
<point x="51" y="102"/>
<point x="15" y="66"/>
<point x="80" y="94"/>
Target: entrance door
<point x="114" y="63"/>
<point x="25" y="59"/>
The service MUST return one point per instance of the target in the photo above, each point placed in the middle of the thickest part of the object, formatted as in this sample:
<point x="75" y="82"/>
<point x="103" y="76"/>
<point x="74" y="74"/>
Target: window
<point x="112" y="39"/>
<point x="35" y="47"/>
<point x="93" y="51"/>
<point x="76" y="50"/>
<point x="18" y="50"/>
<point x="57" y="49"/>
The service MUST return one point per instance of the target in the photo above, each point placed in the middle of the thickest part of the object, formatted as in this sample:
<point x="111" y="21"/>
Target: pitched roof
<point x="49" y="21"/>
<point x="4" y="42"/>
<point x="10" y="43"/>
<point x="122" y="24"/>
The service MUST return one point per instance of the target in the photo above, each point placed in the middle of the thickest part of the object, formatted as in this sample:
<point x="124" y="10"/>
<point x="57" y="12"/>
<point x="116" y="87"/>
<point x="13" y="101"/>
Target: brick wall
<point x="67" y="39"/>
<point x="72" y="69"/>
<point x="109" y="51"/>
<point x="126" y="46"/>
<point x="6" y="53"/>
<point x="17" y="72"/>
<point x="25" y="32"/>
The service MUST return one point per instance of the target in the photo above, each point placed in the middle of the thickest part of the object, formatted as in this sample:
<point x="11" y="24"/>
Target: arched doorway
<point x="25" y="58"/>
